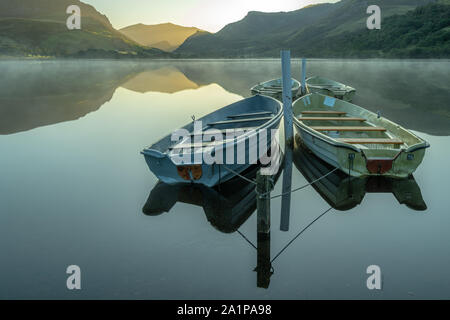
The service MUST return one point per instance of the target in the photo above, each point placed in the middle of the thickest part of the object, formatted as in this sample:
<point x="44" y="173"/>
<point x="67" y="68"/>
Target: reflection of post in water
<point x="287" y="186"/>
<point x="264" y="267"/>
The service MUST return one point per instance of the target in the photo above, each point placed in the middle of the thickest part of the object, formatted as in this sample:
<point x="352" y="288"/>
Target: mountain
<point x="38" y="28"/>
<point x="166" y="36"/>
<point x="308" y="31"/>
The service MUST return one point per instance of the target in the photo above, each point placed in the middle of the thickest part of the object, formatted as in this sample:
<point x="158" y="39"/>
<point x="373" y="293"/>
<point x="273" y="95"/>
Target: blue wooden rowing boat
<point x="246" y="122"/>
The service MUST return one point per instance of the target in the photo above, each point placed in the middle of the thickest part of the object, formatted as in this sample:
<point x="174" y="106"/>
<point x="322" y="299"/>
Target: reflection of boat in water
<point x="344" y="192"/>
<point x="226" y="207"/>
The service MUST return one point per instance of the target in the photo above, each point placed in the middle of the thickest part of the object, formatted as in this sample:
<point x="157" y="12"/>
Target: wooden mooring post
<point x="286" y="189"/>
<point x="287" y="96"/>
<point x="303" y="76"/>
<point x="263" y="188"/>
<point x="264" y="267"/>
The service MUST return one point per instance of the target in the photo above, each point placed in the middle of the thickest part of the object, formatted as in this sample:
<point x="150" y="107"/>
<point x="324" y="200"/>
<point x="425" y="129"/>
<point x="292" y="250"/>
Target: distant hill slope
<point x="38" y="27"/>
<point x="166" y="36"/>
<point x="420" y="33"/>
<point x="307" y="31"/>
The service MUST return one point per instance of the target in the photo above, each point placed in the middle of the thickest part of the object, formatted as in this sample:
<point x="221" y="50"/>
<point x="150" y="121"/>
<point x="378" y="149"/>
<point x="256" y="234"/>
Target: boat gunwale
<point x="296" y="87"/>
<point x="348" y="89"/>
<point x="153" y="152"/>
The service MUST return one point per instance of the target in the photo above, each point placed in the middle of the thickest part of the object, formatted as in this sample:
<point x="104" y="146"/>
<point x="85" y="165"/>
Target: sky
<point x="209" y="15"/>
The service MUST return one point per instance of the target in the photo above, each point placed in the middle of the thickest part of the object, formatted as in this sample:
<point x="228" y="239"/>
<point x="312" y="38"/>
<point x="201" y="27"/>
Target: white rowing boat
<point x="355" y="140"/>
<point x="330" y="88"/>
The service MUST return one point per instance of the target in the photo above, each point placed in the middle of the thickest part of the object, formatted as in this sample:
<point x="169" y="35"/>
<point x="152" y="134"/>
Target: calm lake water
<point x="74" y="189"/>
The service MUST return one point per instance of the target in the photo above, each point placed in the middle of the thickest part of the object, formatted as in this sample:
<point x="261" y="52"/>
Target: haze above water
<point x="74" y="187"/>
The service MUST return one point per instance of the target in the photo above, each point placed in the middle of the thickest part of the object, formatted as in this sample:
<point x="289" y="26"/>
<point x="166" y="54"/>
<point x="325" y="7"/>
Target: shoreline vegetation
<point x="412" y="29"/>
<point x="269" y="59"/>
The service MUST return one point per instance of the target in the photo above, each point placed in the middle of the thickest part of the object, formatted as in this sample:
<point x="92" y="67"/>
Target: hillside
<point x="38" y="28"/>
<point x="166" y="36"/>
<point x="420" y="33"/>
<point x="309" y="31"/>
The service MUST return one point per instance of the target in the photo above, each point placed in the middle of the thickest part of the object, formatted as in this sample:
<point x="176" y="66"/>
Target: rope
<point x="239" y="175"/>
<point x="302" y="187"/>
<point x="298" y="235"/>
<point x="263" y="195"/>
<point x="246" y="239"/>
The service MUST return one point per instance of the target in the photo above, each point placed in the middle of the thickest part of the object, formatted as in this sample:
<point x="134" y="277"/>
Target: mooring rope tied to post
<point x="282" y="194"/>
<point x="246" y="239"/>
<point x="293" y="239"/>
<point x="302" y="187"/>
<point x="239" y="175"/>
<point x="300" y="233"/>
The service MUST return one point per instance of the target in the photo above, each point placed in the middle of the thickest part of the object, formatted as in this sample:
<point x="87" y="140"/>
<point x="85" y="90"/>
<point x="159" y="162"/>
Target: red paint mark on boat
<point x="379" y="166"/>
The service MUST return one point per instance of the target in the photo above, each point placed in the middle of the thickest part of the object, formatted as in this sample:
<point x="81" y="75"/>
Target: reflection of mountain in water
<point x="166" y="79"/>
<point x="37" y="94"/>
<point x="234" y="76"/>
<point x="344" y="193"/>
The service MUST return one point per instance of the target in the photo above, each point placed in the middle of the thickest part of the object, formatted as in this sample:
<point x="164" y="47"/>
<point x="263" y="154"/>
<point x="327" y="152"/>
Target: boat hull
<point x="211" y="175"/>
<point x="354" y="163"/>
<point x="344" y="193"/>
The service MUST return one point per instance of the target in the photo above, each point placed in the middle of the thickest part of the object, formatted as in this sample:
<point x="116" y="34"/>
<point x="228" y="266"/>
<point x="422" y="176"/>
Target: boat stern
<point x="396" y="163"/>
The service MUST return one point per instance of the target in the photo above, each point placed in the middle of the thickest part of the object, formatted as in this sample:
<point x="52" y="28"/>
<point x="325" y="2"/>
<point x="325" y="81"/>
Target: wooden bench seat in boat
<point x="360" y="129"/>
<point x="370" y="141"/>
<point x="330" y="119"/>
<point x="224" y="131"/>
<point x="269" y="90"/>
<point x="323" y="112"/>
<point x="239" y="121"/>
<point x="243" y="115"/>
<point x="204" y="144"/>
